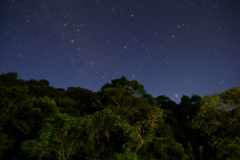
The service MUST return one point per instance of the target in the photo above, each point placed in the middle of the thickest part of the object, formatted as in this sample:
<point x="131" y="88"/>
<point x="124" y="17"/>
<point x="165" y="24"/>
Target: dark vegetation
<point x="119" y="122"/>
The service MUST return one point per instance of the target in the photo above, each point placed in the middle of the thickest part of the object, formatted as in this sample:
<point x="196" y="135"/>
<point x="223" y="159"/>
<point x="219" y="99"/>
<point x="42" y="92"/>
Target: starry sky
<point x="172" y="47"/>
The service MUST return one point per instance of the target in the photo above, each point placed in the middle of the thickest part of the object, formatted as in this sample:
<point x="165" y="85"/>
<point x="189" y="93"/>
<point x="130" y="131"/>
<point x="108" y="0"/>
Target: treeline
<point x="119" y="122"/>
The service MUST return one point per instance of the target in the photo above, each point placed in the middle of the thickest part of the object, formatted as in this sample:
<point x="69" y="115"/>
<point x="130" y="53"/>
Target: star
<point x="82" y="40"/>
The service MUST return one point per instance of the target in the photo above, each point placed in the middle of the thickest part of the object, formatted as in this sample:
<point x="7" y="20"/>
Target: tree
<point x="121" y="121"/>
<point x="82" y="98"/>
<point x="40" y="88"/>
<point x="219" y="124"/>
<point x="124" y="83"/>
<point x="21" y="116"/>
<point x="95" y="136"/>
<point x="12" y="100"/>
<point x="8" y="79"/>
<point x="231" y="97"/>
<point x="56" y="140"/>
<point x="178" y="117"/>
<point x="129" y="100"/>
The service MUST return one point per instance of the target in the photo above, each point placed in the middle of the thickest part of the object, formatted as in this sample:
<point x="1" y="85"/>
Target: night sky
<point x="172" y="47"/>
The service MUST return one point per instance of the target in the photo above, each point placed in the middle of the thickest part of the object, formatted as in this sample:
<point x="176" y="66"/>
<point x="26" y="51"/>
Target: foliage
<point x="120" y="121"/>
<point x="219" y="123"/>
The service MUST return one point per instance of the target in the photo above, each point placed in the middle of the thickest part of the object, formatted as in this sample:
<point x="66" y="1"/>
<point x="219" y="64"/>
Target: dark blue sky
<point x="172" y="47"/>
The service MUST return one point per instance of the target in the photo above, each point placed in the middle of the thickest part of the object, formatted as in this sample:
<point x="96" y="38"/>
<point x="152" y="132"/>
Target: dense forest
<point x="119" y="122"/>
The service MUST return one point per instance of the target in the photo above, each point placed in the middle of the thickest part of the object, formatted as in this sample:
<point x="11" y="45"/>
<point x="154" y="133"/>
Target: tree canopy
<point x="120" y="121"/>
